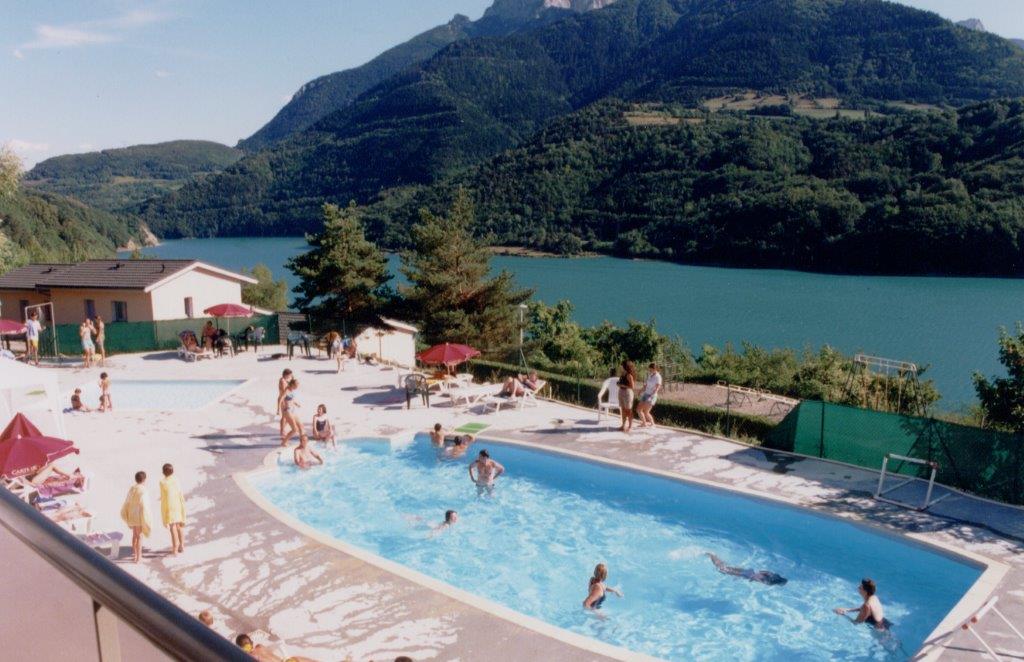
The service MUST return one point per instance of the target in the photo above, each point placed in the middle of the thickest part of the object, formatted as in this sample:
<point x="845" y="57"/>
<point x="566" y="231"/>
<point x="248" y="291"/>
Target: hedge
<point x="583" y="391"/>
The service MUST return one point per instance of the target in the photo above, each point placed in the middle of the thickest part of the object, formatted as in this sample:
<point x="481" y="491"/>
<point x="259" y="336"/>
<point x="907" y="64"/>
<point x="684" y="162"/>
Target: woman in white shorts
<point x="649" y="397"/>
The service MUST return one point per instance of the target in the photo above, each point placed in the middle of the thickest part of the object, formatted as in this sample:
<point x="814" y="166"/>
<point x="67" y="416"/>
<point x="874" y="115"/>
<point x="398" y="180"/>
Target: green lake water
<point x="950" y="324"/>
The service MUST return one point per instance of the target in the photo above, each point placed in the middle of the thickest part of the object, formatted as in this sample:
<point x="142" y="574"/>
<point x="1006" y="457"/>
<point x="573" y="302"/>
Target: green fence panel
<point x="131" y="337"/>
<point x="985" y="462"/>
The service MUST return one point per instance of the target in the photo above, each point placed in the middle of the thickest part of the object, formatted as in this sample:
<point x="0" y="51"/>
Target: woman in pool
<point x="598" y="591"/>
<point x="627" y="389"/>
<point x="322" y="428"/>
<point x="289" y="406"/>
<point x="871" y="611"/>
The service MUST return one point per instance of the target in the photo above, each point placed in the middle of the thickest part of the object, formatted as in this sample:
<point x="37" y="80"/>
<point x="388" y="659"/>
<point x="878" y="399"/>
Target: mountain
<point x="478" y="97"/>
<point x="117" y="178"/>
<point x="972" y="24"/>
<point x="1018" y="42"/>
<point x="44" y="227"/>
<point x="326" y="94"/>
<point x="911" y="192"/>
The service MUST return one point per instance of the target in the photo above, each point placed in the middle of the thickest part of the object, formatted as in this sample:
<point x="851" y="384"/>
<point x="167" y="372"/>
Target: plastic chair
<point x="608" y="398"/>
<point x="416" y="385"/>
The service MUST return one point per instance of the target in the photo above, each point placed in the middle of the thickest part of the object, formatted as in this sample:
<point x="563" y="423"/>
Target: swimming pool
<point x="159" y="394"/>
<point x="532" y="545"/>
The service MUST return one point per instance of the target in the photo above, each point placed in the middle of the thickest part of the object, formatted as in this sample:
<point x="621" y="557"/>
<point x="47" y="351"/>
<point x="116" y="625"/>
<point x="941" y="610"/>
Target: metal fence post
<point x="107" y="640"/>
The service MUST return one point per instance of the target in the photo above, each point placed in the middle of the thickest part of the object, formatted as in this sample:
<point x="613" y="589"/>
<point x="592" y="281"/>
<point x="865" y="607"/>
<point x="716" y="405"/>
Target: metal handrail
<point x="163" y="623"/>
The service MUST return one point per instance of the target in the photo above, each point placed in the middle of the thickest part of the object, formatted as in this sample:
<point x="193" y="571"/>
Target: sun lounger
<point x="529" y="396"/>
<point x="470" y="395"/>
<point x="109" y="539"/>
<point x="194" y="353"/>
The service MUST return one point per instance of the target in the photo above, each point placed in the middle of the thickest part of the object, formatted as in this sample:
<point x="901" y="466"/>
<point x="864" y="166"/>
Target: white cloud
<point x="162" y="73"/>
<point x="89" y="33"/>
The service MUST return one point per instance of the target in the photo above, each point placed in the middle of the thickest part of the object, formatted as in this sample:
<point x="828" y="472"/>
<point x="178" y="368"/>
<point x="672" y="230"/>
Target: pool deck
<point x="255" y="572"/>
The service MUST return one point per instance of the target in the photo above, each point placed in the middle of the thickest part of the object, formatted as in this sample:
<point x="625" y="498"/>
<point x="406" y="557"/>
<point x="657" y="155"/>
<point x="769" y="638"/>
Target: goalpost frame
<point x="928" y="502"/>
<point x="52" y="323"/>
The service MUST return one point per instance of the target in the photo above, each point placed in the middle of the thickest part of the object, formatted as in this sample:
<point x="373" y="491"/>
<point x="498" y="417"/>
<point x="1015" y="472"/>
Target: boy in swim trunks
<point x="32" y="330"/>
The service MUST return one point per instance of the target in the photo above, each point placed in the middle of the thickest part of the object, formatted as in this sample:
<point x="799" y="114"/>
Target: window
<point x="22" y="305"/>
<point x="120" y="310"/>
<point x="188" y="307"/>
<point x="90" y="309"/>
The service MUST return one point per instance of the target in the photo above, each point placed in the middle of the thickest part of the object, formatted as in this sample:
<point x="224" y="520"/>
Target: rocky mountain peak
<point x="972" y="24"/>
<point x="525" y="9"/>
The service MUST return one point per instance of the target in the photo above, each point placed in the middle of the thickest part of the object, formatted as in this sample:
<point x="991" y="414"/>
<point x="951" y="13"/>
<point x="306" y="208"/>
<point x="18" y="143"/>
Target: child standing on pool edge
<point x="172" y="508"/>
<point x="106" y="404"/>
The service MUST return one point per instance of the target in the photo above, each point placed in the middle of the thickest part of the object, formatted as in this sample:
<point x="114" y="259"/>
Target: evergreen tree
<point x="343" y="275"/>
<point x="267" y="293"/>
<point x="450" y="293"/>
<point x="1002" y="398"/>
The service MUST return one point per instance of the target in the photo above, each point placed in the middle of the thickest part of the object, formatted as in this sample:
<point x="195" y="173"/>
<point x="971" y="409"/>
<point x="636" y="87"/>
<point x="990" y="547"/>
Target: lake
<point x="950" y="324"/>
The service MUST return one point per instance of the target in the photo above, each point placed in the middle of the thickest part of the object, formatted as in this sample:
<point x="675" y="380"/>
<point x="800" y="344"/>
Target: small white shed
<point x="393" y="342"/>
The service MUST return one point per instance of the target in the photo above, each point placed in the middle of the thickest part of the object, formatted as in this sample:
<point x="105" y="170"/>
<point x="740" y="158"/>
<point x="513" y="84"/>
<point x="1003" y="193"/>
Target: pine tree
<point x="343" y="275"/>
<point x="450" y="293"/>
<point x="267" y="292"/>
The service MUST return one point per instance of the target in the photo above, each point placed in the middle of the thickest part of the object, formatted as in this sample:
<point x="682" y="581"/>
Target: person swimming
<point x="451" y="517"/>
<point x="759" y="576"/>
<point x="598" y="591"/>
<point x="437" y="435"/>
<point x="871" y="611"/>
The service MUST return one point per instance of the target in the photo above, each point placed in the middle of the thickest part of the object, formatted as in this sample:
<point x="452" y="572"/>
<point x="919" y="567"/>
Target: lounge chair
<point x="608" y="398"/>
<point x="190" y="350"/>
<point x="529" y="395"/>
<point x="108" y="539"/>
<point x="470" y="395"/>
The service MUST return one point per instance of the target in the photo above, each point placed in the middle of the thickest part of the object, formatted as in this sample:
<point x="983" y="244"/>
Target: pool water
<point x="533" y="544"/>
<point x="159" y="394"/>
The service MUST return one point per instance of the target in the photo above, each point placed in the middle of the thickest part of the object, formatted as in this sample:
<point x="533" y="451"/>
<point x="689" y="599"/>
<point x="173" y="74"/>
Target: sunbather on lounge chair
<point x="52" y="477"/>
<point x="68" y="513"/>
<point x="518" y="385"/>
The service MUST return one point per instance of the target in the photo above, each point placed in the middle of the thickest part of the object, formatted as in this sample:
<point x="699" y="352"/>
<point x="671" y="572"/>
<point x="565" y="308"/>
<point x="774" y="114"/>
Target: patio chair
<point x="608" y="398"/>
<point x="416" y="385"/>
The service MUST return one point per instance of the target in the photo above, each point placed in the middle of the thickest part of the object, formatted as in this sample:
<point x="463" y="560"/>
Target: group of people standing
<point x="628" y="384"/>
<point x="135" y="511"/>
<point x="93" y="334"/>
<point x="288" y="407"/>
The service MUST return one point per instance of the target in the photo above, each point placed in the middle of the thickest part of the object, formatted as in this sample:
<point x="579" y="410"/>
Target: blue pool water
<point x="159" y="394"/>
<point x="532" y="545"/>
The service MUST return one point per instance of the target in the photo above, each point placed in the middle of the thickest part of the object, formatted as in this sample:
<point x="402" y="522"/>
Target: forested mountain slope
<point x="43" y="227"/>
<point x="908" y="193"/>
<point x="113" y="179"/>
<point x="477" y="97"/>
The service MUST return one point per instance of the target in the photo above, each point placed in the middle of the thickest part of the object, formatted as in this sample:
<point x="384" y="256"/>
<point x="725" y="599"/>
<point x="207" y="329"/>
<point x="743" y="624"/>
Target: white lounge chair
<point x="470" y="395"/>
<point x="529" y="396"/>
<point x="608" y="398"/>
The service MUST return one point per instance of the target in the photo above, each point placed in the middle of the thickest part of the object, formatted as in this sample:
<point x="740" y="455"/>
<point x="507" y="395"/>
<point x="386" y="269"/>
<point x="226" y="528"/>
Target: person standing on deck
<point x="627" y="389"/>
<point x="172" y="508"/>
<point x="85" y="331"/>
<point x="282" y="387"/>
<point x="135" y="513"/>
<point x="32" y="330"/>
<point x="649" y="397"/>
<point x="101" y="339"/>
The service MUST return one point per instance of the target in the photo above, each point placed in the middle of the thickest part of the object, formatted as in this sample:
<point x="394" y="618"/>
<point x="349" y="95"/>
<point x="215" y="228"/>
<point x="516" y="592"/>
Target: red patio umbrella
<point x="229" y="310"/>
<point x="11" y="328"/>
<point x="448" y="354"/>
<point x="24" y="450"/>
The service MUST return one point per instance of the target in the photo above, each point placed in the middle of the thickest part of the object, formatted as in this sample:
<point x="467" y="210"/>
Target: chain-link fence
<point x="983" y="462"/>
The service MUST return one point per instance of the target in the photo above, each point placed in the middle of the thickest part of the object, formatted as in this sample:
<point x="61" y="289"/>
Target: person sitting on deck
<point x="760" y="576"/>
<point x="76" y="401"/>
<point x="304" y="455"/>
<point x="323" y="430"/>
<point x="518" y="385"/>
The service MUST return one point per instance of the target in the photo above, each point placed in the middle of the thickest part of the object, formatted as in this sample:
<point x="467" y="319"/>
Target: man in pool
<point x="760" y="576"/>
<point x="304" y="455"/>
<point x="487" y="471"/>
<point x="437" y="435"/>
<point x="871" y="611"/>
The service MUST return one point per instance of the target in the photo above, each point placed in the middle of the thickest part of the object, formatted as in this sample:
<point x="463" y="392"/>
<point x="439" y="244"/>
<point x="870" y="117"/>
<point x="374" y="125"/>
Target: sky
<point x="80" y="76"/>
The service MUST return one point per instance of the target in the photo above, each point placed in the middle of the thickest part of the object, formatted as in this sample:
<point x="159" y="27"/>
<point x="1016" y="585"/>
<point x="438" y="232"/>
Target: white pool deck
<point x="327" y="602"/>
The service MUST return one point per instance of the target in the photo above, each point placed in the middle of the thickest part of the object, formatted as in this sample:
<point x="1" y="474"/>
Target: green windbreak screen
<point x="984" y="462"/>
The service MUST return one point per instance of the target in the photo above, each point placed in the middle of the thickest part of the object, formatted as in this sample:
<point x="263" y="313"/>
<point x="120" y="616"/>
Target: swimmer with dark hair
<point x="759" y="576"/>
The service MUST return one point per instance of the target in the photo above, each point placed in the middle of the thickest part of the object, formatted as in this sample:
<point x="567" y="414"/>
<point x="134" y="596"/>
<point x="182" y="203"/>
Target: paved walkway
<point x="255" y="573"/>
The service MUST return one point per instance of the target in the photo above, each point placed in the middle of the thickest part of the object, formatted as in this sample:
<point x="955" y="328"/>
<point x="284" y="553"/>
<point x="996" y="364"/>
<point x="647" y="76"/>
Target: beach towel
<point x="172" y="502"/>
<point x="135" y="511"/>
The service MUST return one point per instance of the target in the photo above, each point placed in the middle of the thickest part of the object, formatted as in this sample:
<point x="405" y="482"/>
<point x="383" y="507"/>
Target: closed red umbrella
<point x="24" y="450"/>
<point x="11" y="328"/>
<point x="448" y="354"/>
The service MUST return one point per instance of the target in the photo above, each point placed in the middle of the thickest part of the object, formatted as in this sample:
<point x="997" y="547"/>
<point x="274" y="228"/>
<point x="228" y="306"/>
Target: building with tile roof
<point x="119" y="290"/>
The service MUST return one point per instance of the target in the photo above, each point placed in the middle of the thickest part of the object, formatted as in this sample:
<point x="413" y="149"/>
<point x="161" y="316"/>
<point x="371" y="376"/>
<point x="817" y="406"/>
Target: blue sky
<point x="78" y="76"/>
